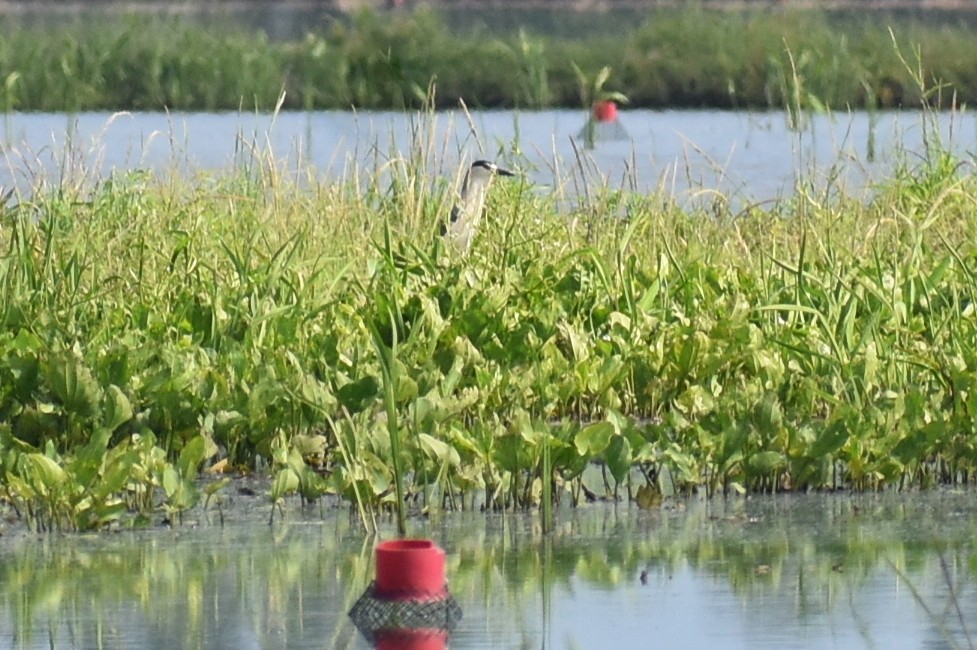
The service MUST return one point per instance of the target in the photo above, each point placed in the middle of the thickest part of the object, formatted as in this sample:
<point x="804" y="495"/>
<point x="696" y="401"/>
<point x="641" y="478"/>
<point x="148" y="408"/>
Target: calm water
<point x="750" y="157"/>
<point x="889" y="571"/>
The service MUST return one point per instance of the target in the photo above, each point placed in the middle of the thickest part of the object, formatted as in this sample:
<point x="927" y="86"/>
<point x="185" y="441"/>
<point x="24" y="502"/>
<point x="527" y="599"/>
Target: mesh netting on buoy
<point x="372" y="615"/>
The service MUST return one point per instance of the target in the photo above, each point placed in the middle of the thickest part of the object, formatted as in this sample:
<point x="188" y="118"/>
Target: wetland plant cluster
<point x="749" y="59"/>
<point x="154" y="326"/>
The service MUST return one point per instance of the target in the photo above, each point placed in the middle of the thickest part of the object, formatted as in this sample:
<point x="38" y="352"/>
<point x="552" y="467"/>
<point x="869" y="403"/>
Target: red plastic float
<point x="408" y="605"/>
<point x="605" y="111"/>
<point x="410" y="569"/>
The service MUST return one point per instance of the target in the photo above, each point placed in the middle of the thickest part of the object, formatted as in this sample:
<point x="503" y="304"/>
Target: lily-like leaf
<point x="594" y="438"/>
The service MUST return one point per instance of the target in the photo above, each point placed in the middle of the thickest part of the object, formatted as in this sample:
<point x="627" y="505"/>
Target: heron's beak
<point x="504" y="172"/>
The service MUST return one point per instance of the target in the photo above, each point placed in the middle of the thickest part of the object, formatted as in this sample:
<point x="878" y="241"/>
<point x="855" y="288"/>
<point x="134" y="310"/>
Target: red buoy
<point x="408" y="605"/>
<point x="410" y="569"/>
<point x="605" y="111"/>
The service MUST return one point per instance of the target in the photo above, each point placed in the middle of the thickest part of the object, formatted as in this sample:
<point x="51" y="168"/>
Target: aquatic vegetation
<point x="801" y="60"/>
<point x="154" y="326"/>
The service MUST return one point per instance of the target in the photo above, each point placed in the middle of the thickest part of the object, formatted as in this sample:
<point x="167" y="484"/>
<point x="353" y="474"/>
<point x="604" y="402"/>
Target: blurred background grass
<point x="679" y="58"/>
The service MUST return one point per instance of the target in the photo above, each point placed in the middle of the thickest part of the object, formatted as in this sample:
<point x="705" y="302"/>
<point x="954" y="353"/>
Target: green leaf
<point x="286" y="482"/>
<point x="424" y="412"/>
<point x="610" y="371"/>
<point x="296" y="462"/>
<point x="45" y="470"/>
<point x="733" y="440"/>
<point x="33" y="426"/>
<point x="20" y="488"/>
<point x="593" y="439"/>
<point x="358" y="395"/>
<point x="830" y="439"/>
<point x="309" y="446"/>
<point x="171" y="480"/>
<point x="312" y="486"/>
<point x="766" y="462"/>
<point x="647" y="300"/>
<point x="73" y="384"/>
<point x="438" y="450"/>
<point x="106" y="512"/>
<point x="768" y="416"/>
<point x="195" y="452"/>
<point x="88" y="461"/>
<point x="116" y="409"/>
<point x="509" y="453"/>
<point x="618" y="457"/>
<point x="114" y="477"/>
<point x="406" y="387"/>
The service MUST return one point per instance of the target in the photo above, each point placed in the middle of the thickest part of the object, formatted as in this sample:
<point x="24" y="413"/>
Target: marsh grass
<point x="751" y="59"/>
<point x="153" y="325"/>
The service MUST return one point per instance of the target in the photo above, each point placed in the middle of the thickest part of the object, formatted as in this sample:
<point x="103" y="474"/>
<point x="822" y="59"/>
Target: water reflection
<point x="797" y="571"/>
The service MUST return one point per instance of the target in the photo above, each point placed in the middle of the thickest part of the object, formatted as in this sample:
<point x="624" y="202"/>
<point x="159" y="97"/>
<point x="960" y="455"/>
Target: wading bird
<point x="466" y="214"/>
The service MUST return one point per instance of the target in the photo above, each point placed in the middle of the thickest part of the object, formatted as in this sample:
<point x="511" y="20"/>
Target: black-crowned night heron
<point x="466" y="214"/>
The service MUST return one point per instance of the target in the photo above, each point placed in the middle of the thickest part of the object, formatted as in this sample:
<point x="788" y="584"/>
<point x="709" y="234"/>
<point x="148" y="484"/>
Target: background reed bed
<point x="743" y="60"/>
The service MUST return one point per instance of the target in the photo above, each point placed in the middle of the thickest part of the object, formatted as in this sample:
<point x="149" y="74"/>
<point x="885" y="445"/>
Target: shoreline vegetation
<point x="746" y="59"/>
<point x="158" y="329"/>
<point x="160" y="333"/>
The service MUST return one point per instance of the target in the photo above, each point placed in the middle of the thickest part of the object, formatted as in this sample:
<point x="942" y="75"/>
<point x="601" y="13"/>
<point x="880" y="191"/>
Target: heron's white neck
<point x="468" y="211"/>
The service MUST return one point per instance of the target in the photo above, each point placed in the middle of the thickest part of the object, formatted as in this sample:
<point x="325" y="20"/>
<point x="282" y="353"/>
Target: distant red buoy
<point x="410" y="569"/>
<point x="605" y="111"/>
